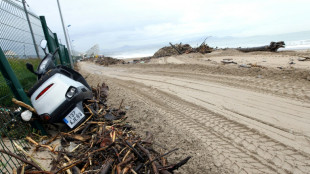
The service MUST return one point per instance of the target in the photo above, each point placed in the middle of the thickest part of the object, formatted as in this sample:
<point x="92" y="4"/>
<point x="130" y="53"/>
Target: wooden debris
<point x="303" y="59"/>
<point x="256" y="66"/>
<point x="29" y="156"/>
<point x="106" y="61"/>
<point x="52" y="149"/>
<point x="21" y="159"/>
<point x="178" y="49"/>
<point x="175" y="48"/>
<point x="82" y="138"/>
<point x="245" y="66"/>
<point x="272" y="47"/>
<point x="104" y="145"/>
<point x="24" y="105"/>
<point x="228" y="61"/>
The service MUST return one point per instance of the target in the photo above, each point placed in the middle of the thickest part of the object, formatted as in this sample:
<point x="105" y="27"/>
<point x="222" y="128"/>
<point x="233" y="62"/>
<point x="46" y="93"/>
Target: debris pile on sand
<point x="173" y="50"/>
<point x="106" y="61"/>
<point x="140" y="60"/>
<point x="103" y="143"/>
<point x="181" y="49"/>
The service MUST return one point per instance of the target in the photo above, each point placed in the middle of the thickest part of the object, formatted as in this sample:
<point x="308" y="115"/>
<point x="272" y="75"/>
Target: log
<point x="175" y="48"/>
<point x="272" y="47"/>
<point x="21" y="159"/>
<point x="24" y="105"/>
<point x="106" y="166"/>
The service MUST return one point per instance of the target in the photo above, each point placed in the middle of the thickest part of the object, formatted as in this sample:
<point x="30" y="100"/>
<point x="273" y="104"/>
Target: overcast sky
<point x="117" y="23"/>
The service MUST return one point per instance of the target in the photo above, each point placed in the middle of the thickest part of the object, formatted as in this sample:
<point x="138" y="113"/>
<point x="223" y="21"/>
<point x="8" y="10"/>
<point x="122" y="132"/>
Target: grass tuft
<point x="25" y="77"/>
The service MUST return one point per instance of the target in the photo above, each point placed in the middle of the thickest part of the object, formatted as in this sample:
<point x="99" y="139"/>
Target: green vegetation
<point x="25" y="77"/>
<point x="2" y="164"/>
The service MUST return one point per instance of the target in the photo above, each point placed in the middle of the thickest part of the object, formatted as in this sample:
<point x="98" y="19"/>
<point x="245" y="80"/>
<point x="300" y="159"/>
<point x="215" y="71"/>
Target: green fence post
<point x="15" y="86"/>
<point x="67" y="57"/>
<point x="11" y="79"/>
<point x="51" y="41"/>
<point x="50" y="44"/>
<point x="62" y="62"/>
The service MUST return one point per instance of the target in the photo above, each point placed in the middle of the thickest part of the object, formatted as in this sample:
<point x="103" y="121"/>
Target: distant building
<point x="10" y="54"/>
<point x="93" y="51"/>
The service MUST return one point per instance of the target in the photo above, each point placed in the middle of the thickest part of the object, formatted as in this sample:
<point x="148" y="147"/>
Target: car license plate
<point x="74" y="117"/>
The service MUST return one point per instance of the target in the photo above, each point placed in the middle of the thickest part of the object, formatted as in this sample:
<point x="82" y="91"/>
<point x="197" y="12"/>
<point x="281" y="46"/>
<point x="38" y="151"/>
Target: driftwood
<point x="105" y="143"/>
<point x="203" y="48"/>
<point x="29" y="156"/>
<point x="106" y="61"/>
<point x="22" y="104"/>
<point x="21" y="159"/>
<point x="175" y="48"/>
<point x="40" y="145"/>
<point x="272" y="47"/>
<point x="303" y="59"/>
<point x="178" y="49"/>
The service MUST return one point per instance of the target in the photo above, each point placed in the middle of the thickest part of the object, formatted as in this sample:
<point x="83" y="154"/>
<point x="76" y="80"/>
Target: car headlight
<point x="71" y="92"/>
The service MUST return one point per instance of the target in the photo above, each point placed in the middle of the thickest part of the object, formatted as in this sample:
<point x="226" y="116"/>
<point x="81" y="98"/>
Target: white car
<point x="58" y="96"/>
<point x="59" y="93"/>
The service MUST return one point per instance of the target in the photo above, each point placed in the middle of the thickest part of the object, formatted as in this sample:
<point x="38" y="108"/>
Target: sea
<point x="293" y="41"/>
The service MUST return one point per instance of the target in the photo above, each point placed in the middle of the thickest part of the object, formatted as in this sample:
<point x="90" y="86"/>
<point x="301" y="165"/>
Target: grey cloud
<point x="116" y="23"/>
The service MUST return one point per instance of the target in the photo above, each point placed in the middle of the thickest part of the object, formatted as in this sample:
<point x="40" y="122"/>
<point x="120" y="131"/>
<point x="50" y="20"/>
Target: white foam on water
<point x="297" y="45"/>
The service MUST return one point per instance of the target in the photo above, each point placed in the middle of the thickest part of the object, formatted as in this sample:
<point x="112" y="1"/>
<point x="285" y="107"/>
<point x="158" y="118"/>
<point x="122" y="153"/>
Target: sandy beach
<point x="249" y="114"/>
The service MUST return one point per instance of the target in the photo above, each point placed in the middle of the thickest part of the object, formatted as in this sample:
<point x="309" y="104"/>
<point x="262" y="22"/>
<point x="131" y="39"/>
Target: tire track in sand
<point x="231" y="143"/>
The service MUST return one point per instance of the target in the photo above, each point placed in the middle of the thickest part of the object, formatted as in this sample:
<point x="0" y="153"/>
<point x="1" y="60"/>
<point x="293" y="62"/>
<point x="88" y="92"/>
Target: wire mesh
<point x="21" y="31"/>
<point x="17" y="44"/>
<point x="15" y="35"/>
<point x="19" y="48"/>
<point x="12" y="130"/>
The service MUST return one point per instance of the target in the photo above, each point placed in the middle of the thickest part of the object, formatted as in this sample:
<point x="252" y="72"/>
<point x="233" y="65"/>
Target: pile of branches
<point x="106" y="61"/>
<point x="272" y="47"/>
<point x="181" y="49"/>
<point x="203" y="49"/>
<point x="104" y="143"/>
<point x="141" y="60"/>
<point x="173" y="50"/>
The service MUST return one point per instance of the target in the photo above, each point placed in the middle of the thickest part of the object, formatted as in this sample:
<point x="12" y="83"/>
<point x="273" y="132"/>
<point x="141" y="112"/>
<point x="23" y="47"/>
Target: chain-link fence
<point x="12" y="131"/>
<point x="21" y="32"/>
<point x="16" y="36"/>
<point x="17" y="44"/>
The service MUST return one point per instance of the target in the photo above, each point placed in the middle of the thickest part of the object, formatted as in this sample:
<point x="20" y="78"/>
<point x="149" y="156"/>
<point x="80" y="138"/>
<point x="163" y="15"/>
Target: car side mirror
<point x="43" y="45"/>
<point x="30" y="67"/>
